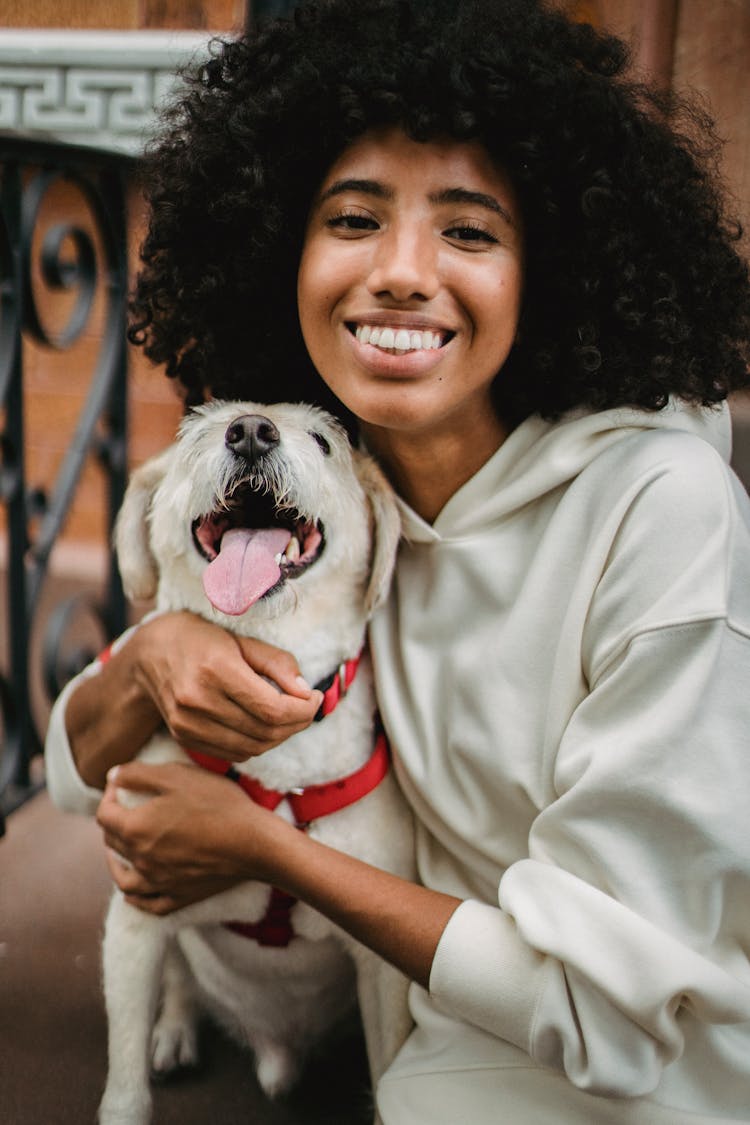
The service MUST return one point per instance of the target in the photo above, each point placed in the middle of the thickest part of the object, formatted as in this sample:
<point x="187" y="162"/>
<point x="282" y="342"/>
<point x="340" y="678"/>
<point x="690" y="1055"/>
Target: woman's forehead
<point x="384" y="160"/>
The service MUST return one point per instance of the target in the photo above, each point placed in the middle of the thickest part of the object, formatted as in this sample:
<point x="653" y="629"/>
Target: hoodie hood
<point x="540" y="456"/>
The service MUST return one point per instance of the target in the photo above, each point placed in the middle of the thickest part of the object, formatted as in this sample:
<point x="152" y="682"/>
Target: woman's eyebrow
<point x="366" y="187"/>
<point x="465" y="195"/>
<point x="446" y="195"/>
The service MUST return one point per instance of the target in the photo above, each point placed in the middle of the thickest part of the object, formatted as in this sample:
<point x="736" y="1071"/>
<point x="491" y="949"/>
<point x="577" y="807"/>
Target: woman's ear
<point x="132" y="535"/>
<point x="386" y="529"/>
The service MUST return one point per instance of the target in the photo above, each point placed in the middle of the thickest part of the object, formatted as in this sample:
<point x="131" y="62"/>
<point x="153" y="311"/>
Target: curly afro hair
<point x="634" y="287"/>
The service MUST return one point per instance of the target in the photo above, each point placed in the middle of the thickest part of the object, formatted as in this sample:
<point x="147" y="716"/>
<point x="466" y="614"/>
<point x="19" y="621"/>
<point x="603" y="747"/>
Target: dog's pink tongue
<point x="244" y="568"/>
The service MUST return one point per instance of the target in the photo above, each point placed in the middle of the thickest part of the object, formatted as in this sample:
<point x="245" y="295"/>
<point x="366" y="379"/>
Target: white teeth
<point x="399" y="339"/>
<point x="292" y="553"/>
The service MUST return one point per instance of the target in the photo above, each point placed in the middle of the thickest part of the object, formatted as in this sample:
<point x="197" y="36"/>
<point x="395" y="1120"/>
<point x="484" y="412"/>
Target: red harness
<point x="308" y="804"/>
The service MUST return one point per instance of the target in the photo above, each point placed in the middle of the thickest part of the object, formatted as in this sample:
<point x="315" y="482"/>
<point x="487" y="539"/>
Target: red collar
<point x="315" y="800"/>
<point x="335" y="686"/>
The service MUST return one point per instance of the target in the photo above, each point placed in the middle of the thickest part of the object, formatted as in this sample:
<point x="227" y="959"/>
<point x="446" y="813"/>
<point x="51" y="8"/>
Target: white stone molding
<point x="99" y="88"/>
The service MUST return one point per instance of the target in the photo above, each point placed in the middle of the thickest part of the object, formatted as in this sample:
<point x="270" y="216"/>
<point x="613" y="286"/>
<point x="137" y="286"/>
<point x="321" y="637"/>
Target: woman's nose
<point x="405" y="266"/>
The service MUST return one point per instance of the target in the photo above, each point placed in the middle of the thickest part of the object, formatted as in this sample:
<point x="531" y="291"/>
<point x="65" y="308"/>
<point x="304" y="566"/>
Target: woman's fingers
<point x="194" y="830"/>
<point x="138" y="891"/>
<point x="238" y="728"/>
<point x="156" y="894"/>
<point x="275" y="664"/>
<point x="213" y="688"/>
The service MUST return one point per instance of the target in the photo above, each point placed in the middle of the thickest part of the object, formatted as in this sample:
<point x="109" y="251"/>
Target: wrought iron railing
<point x="80" y="264"/>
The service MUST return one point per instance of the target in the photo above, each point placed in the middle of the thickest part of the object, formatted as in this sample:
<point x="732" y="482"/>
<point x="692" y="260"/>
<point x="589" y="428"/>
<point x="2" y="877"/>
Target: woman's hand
<point x="209" y="687"/>
<point x="199" y="834"/>
<point x="196" y="834"/>
<point x="212" y="688"/>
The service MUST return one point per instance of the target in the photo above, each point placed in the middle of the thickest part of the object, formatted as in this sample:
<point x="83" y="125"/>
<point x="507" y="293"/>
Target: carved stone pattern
<point x="106" y="107"/>
<point x="100" y="88"/>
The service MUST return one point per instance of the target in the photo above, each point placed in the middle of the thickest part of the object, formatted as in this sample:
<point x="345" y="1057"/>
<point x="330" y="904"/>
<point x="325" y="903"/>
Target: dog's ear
<point x="132" y="535"/>
<point x="386" y="529"/>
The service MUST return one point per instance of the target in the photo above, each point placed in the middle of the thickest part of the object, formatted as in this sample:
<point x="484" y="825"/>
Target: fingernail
<point x="302" y="684"/>
<point x="112" y="773"/>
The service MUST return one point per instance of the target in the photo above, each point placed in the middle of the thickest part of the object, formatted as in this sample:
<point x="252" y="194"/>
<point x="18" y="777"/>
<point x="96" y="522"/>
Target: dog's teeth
<point x="292" y="553"/>
<point x="277" y="558"/>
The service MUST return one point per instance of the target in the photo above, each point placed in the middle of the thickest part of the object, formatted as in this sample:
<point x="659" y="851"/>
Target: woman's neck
<point x="426" y="473"/>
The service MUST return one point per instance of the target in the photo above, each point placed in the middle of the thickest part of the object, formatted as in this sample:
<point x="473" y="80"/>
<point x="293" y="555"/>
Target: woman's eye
<point x="467" y="232"/>
<point x="351" y="221"/>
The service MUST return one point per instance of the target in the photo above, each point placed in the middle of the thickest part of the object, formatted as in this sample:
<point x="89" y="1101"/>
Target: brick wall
<point x="210" y="15"/>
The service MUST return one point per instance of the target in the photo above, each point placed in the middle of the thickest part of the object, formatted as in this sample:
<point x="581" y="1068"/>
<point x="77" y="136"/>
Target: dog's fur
<point x="159" y="972"/>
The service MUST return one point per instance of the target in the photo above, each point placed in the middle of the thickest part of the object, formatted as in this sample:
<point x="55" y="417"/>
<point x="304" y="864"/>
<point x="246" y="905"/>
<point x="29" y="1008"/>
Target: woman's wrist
<point x="110" y="716"/>
<point x="400" y="920"/>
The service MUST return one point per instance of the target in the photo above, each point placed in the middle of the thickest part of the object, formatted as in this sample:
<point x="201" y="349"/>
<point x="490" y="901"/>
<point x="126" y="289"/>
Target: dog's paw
<point x="276" y="1067"/>
<point x="124" y="1110"/>
<point x="174" y="1045"/>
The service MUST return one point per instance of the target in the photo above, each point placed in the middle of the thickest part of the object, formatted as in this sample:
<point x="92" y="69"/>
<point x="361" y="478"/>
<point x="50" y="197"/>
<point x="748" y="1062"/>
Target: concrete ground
<point x="53" y="893"/>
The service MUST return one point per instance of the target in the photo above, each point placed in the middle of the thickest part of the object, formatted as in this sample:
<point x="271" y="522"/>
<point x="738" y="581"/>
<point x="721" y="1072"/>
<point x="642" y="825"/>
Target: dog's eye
<point x="321" y="442"/>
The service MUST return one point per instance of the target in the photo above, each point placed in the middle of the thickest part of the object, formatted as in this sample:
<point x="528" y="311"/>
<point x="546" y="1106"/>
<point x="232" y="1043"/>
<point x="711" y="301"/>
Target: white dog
<point x="263" y="519"/>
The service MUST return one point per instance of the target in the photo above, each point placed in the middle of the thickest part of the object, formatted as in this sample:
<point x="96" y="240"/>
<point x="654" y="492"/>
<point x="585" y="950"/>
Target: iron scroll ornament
<point x="86" y="260"/>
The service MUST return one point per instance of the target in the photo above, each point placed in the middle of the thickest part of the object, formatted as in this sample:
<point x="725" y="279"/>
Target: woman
<point x="515" y="281"/>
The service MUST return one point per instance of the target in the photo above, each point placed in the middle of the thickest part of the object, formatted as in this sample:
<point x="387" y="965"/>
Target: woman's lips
<point x="393" y="351"/>
<point x="399" y="338"/>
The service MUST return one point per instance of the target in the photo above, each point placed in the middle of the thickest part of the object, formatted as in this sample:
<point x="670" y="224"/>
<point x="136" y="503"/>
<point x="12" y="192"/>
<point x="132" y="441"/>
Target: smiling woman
<point x="463" y="228"/>
<point x="415" y="239"/>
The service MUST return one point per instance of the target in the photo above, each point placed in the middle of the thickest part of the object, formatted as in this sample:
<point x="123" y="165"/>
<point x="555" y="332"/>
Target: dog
<point x="265" y="520"/>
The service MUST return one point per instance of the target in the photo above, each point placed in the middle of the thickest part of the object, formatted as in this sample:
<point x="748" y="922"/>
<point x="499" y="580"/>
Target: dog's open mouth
<point x="253" y="546"/>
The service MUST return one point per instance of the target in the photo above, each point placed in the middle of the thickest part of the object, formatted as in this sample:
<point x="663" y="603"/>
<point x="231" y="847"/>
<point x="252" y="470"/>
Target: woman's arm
<point x="209" y="687"/>
<point x="199" y="834"/>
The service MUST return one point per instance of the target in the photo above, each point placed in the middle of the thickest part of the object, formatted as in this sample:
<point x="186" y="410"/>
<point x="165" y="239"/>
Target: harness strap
<point x="275" y="927"/>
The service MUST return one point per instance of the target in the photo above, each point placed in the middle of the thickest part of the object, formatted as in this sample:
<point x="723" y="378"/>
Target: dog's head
<point x="251" y="505"/>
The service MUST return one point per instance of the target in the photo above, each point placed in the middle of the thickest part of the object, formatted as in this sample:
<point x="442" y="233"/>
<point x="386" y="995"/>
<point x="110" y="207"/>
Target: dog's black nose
<point x="250" y="436"/>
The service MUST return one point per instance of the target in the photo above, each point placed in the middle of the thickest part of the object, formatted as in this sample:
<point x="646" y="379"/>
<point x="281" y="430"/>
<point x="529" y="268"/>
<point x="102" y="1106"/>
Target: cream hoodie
<point x="564" y="671"/>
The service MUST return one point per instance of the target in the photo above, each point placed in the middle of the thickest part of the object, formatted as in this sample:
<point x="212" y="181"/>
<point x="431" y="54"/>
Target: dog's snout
<point x="251" y="435"/>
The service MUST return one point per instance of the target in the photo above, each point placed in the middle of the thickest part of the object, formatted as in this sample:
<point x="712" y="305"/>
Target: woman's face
<point x="410" y="282"/>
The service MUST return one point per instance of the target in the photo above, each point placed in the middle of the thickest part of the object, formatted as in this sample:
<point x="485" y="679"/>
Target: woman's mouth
<point x="396" y="340"/>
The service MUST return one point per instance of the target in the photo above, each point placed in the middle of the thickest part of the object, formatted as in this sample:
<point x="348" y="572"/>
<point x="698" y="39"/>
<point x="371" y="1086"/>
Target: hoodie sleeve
<point x="630" y="908"/>
<point x="628" y="920"/>
<point x="66" y="788"/>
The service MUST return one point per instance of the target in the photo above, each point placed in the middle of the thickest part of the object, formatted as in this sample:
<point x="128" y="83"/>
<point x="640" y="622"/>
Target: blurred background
<point x="80" y="85"/>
